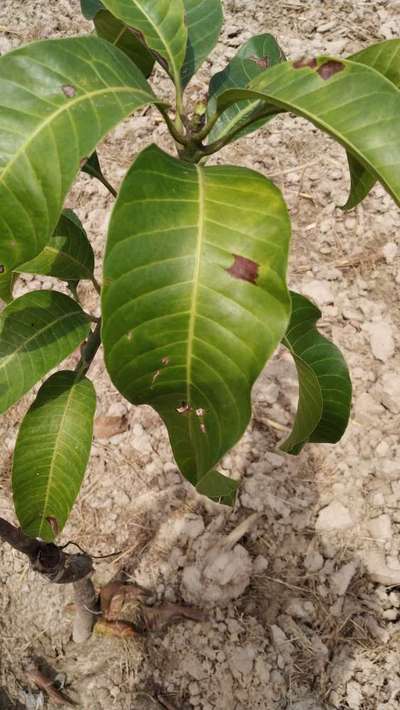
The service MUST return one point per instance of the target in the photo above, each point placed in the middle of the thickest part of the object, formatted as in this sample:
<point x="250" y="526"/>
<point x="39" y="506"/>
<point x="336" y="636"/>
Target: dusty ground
<point x="305" y="612"/>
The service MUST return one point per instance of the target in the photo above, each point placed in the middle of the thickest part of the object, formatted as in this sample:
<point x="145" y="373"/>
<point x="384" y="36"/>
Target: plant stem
<point x="86" y="609"/>
<point x="175" y="132"/>
<point x="88" y="351"/>
<point x="46" y="558"/>
<point x="207" y="128"/>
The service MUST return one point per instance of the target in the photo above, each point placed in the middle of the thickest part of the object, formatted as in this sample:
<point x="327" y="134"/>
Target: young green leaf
<point x="203" y="19"/>
<point x="37" y="331"/>
<point x="58" y="98"/>
<point x="124" y="37"/>
<point x="51" y="454"/>
<point x="355" y="104"/>
<point x="6" y="286"/>
<point x="90" y="8"/>
<point x="218" y="487"/>
<point x="384" y="57"/>
<point x="68" y="255"/>
<point x="161" y="22"/>
<point x="324" y="381"/>
<point x="253" y="58"/>
<point x="195" y="298"/>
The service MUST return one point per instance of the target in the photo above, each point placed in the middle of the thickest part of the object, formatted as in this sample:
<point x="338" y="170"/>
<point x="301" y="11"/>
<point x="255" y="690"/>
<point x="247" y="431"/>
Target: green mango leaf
<point x="384" y="57"/>
<point x="122" y="36"/>
<point x="68" y="255"/>
<point x="324" y="381"/>
<point x="203" y="19"/>
<point x="252" y="59"/>
<point x="355" y="104"/>
<point x="7" y="281"/>
<point x="92" y="167"/>
<point x="58" y="98"/>
<point x="51" y="454"/>
<point x="162" y="25"/>
<point x="218" y="487"/>
<point x="37" y="331"/>
<point x="90" y="8"/>
<point x="194" y="299"/>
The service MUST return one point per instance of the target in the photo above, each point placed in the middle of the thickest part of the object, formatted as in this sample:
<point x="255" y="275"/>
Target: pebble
<point x="319" y="291"/>
<point x="390" y="251"/>
<point x="381" y="340"/>
<point x="341" y="579"/>
<point x="313" y="561"/>
<point x="380" y="528"/>
<point x="334" y="516"/>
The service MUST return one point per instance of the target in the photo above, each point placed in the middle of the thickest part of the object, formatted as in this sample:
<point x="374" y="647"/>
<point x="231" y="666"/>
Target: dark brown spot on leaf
<point x="244" y="269"/>
<point x="2" y="269"/>
<point x="304" y="62"/>
<point x="184" y="408"/>
<point x="69" y="91"/>
<point x="329" y="69"/>
<point x="262" y="62"/>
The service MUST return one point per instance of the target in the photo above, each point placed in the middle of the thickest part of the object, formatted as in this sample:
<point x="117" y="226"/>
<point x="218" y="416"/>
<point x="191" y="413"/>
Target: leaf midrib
<point x="53" y="458"/>
<point x="65" y="107"/>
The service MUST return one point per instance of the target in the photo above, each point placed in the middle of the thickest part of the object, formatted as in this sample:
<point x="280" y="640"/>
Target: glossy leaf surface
<point x="51" y="454"/>
<point x="218" y="487"/>
<point x="203" y="19"/>
<point x="324" y="381"/>
<point x="58" y="98"/>
<point x="384" y="57"/>
<point x="161" y="22"/>
<point x="355" y="104"/>
<point x="120" y="35"/>
<point x="256" y="55"/>
<point x="195" y="298"/>
<point x="37" y="331"/>
<point x="90" y="8"/>
<point x="68" y="255"/>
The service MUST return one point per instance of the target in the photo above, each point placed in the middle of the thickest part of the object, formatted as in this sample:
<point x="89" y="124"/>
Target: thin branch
<point x="45" y="557"/>
<point x="89" y="350"/>
<point x="174" y="131"/>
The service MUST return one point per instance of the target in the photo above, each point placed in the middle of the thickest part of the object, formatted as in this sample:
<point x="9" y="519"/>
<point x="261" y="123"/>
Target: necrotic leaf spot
<point x="244" y="269"/>
<point x="329" y="69"/>
<point x="304" y="62"/>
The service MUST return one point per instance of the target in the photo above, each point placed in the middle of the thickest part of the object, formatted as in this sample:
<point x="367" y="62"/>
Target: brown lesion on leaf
<point x="2" y="269"/>
<point x="53" y="522"/>
<point x="184" y="408"/>
<point x="329" y="68"/>
<point x="262" y="62"/>
<point x="244" y="269"/>
<point x="304" y="62"/>
<point x="68" y="91"/>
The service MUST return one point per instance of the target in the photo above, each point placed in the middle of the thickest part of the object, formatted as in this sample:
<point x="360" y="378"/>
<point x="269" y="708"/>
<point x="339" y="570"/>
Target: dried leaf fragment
<point x="119" y="629"/>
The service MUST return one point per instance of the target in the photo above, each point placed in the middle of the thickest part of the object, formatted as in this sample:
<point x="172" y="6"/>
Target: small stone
<point x="380" y="528"/>
<point x="390" y="251"/>
<point x="313" y="561"/>
<point x="394" y="598"/>
<point x="260" y="564"/>
<point x="390" y="614"/>
<point x="381" y="339"/>
<point x="341" y="579"/>
<point x="353" y="695"/>
<point x="319" y="291"/>
<point x="334" y="516"/>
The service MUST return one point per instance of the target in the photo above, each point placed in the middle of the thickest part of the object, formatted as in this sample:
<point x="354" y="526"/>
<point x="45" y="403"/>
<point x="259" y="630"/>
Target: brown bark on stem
<point x="87" y="610"/>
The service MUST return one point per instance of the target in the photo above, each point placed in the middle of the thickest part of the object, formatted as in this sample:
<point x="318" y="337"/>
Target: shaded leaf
<point x="122" y="36"/>
<point x="355" y="104"/>
<point x="90" y="8"/>
<point x="324" y="381"/>
<point x="68" y="255"/>
<point x="256" y="55"/>
<point x="7" y="281"/>
<point x="203" y="19"/>
<point x="195" y="298"/>
<point x="218" y="487"/>
<point x="161" y="22"/>
<point x="37" y="331"/>
<point x="51" y="454"/>
<point x="58" y="98"/>
<point x="384" y="57"/>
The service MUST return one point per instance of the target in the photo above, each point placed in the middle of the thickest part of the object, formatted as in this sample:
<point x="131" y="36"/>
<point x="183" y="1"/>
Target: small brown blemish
<point x="330" y="68"/>
<point x="165" y="361"/>
<point x="184" y="408"/>
<point x="2" y="269"/>
<point x="53" y="522"/>
<point x="203" y="428"/>
<point x="244" y="269"/>
<point x="262" y="62"/>
<point x="69" y="90"/>
<point x="83" y="162"/>
<point x="304" y="62"/>
<point x="155" y="376"/>
<point x="130" y="335"/>
<point x="200" y="412"/>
